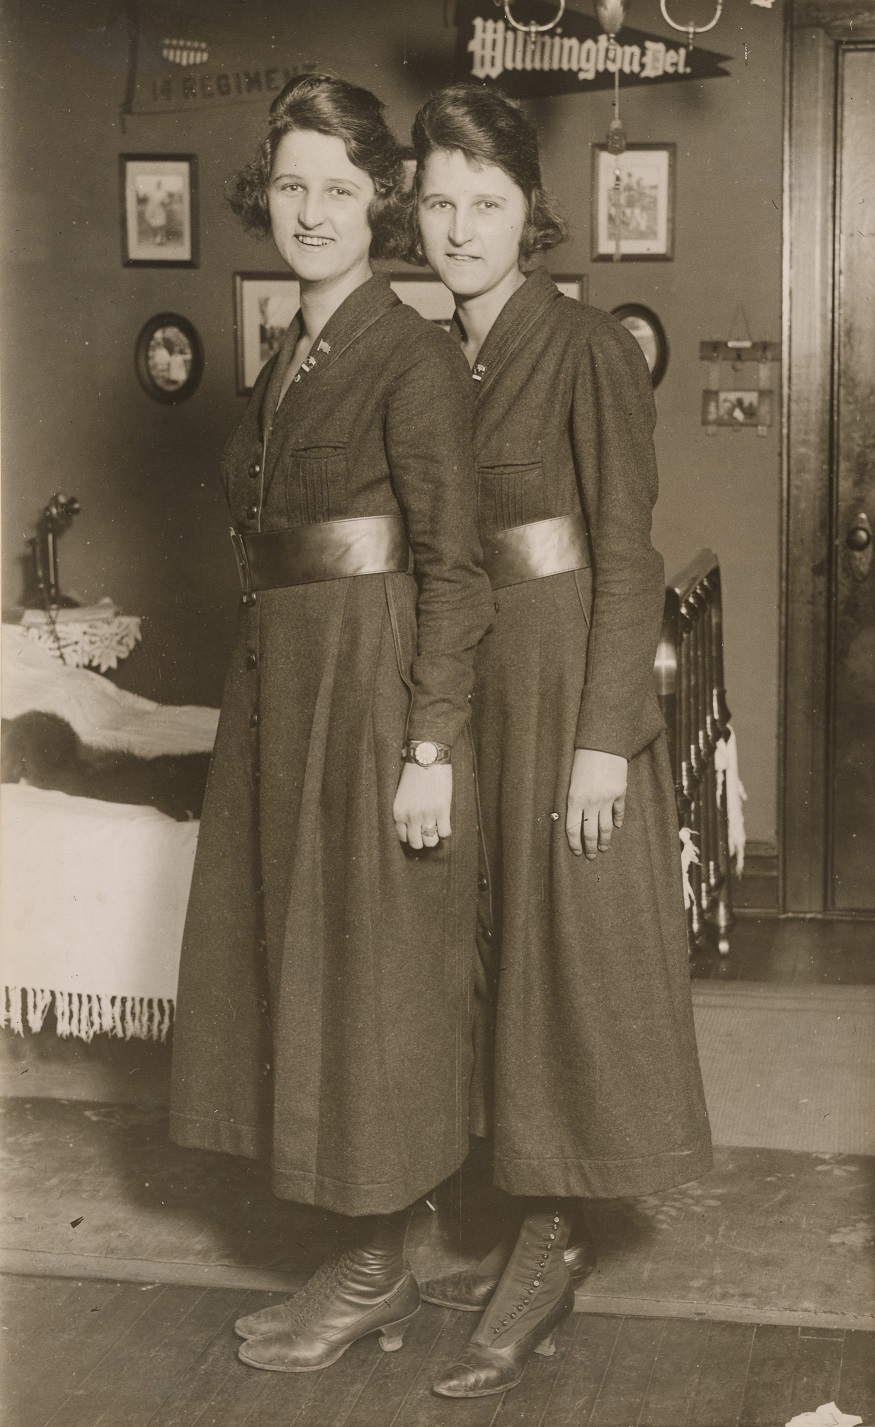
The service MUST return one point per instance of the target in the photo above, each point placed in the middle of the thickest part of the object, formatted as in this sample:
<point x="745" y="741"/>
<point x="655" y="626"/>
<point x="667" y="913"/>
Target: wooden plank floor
<point x="102" y="1354"/>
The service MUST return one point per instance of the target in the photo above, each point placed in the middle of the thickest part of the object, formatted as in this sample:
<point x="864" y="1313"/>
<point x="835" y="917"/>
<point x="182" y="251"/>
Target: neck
<point x="320" y="300"/>
<point x="479" y="314"/>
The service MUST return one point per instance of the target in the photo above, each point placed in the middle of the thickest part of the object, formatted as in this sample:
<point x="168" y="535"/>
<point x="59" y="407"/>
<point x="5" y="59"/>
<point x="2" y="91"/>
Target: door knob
<point x="859" y="542"/>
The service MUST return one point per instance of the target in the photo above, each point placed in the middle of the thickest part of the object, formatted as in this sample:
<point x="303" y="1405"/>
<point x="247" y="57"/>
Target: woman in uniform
<point x="321" y="1015"/>
<point x="586" y="1079"/>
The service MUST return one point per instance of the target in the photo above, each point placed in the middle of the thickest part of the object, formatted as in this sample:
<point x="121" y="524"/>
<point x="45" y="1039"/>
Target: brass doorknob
<point x="859" y="537"/>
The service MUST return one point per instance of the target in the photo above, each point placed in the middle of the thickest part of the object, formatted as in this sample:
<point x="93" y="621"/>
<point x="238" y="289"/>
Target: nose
<point x="460" y="227"/>
<point x="312" y="210"/>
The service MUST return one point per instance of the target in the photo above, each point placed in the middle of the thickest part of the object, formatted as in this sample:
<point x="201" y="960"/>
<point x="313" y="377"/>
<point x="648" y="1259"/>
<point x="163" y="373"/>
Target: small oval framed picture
<point x="169" y="357"/>
<point x="649" y="333"/>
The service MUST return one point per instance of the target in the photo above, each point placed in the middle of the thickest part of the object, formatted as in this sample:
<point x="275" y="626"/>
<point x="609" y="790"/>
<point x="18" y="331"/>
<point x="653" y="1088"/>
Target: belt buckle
<point x="242" y="559"/>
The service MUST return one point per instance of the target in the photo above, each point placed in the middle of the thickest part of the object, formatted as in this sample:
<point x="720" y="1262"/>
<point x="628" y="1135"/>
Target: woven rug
<point x="790" y="1068"/>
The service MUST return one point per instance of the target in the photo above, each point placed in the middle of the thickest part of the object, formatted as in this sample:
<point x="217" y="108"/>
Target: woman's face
<point x="471" y="220"/>
<point x="318" y="203"/>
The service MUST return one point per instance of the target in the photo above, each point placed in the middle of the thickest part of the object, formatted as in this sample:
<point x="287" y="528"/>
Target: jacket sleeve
<point x="613" y="420"/>
<point x="428" y="443"/>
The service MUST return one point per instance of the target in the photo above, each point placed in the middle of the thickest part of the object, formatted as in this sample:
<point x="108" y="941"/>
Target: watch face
<point x="425" y="754"/>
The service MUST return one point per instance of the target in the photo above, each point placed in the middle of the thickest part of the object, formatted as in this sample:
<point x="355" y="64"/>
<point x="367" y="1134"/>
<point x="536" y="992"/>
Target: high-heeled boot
<point x="366" y="1288"/>
<point x="470" y="1289"/>
<point x="533" y="1298"/>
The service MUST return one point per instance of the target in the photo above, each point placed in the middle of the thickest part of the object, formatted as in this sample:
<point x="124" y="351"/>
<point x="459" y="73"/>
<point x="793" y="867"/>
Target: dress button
<point x="496" y="607"/>
<point x="253" y="720"/>
<point x="483" y="884"/>
<point x="487" y="935"/>
<point x="248" y="600"/>
<point x="251" y="660"/>
<point x="254" y="469"/>
<point x="251" y="512"/>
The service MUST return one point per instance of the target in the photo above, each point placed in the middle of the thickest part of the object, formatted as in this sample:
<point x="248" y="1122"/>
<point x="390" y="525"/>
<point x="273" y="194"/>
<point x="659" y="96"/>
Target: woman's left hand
<point x="596" y="800"/>
<point x="422" y="804"/>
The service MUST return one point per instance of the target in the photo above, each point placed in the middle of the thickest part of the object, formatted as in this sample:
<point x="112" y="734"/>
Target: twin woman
<point x="444" y="548"/>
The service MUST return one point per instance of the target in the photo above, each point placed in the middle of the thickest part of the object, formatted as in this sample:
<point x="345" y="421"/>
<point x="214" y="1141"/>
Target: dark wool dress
<point x="587" y="1076"/>
<point x="323" y="1010"/>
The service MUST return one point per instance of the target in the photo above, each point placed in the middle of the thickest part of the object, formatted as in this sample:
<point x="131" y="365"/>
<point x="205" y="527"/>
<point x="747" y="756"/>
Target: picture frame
<point x="159" y="218"/>
<point x="649" y="333"/>
<point x="738" y="408"/>
<point x="264" y="305"/>
<point x="574" y="285"/>
<point x="647" y="199"/>
<point x="169" y="358"/>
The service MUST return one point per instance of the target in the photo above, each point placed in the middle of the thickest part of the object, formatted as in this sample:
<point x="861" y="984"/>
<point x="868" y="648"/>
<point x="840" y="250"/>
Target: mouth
<point x="311" y="240"/>
<point x="463" y="257"/>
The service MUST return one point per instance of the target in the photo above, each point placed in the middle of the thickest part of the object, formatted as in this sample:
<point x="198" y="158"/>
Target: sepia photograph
<point x="159" y="213"/>
<point x="437" y="762"/>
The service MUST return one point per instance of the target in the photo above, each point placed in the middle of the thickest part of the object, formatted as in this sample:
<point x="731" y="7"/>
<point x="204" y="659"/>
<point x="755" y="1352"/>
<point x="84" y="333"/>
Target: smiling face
<point x="318" y="202"/>
<point x="471" y="221"/>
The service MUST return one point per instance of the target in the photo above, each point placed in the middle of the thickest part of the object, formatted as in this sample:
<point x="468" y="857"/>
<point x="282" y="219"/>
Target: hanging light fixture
<point x="692" y="29"/>
<point x="529" y="27"/>
<point x="611" y="15"/>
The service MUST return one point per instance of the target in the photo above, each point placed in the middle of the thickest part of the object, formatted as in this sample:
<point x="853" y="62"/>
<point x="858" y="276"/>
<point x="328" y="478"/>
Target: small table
<point x="93" y="635"/>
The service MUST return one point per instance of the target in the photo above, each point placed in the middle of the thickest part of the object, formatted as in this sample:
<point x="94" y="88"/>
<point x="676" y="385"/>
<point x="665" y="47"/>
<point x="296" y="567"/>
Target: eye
<point x="288" y="187"/>
<point x="437" y="203"/>
<point x="487" y="203"/>
<point x="341" y="192"/>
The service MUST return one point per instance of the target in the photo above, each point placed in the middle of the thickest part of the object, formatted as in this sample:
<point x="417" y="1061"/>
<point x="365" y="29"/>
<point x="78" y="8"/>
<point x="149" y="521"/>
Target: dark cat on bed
<point x="44" y="751"/>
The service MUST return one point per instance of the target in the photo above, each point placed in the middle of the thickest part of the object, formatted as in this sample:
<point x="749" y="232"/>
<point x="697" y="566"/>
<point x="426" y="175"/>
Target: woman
<point x="586" y="1075"/>
<point x="324" y="981"/>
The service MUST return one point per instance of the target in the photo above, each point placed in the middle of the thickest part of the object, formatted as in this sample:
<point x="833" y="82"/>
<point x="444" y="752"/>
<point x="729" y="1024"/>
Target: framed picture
<point x="169" y="357"/>
<point x="159" y="210"/>
<point x="427" y="294"/>
<point x="649" y="333"/>
<point x="572" y="285"/>
<point x="737" y="408"/>
<point x="641" y="206"/>
<point x="264" y="305"/>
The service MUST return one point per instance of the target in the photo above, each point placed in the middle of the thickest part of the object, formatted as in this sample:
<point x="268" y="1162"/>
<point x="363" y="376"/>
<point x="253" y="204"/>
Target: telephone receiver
<point x="56" y="517"/>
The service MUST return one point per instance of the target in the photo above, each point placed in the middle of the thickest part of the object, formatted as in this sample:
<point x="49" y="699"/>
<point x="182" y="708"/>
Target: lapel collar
<point x="275" y="380"/>
<point x="521" y="311"/>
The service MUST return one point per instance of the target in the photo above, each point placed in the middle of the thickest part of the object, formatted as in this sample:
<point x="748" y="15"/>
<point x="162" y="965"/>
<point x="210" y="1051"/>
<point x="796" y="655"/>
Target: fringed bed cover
<point x="92" y="906"/>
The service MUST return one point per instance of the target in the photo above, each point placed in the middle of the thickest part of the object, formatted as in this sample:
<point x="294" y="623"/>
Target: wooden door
<point x="827" y="863"/>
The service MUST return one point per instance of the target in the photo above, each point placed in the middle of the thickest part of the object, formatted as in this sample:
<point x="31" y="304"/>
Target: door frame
<point x="815" y="30"/>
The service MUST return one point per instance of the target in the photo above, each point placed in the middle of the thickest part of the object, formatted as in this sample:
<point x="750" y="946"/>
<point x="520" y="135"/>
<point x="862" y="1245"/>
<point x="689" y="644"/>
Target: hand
<point x="422" y="804"/>
<point x="596" y="798"/>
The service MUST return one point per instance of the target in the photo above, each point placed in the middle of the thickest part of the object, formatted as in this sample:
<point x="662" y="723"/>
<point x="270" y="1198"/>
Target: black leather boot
<point x="469" y="1290"/>
<point x="533" y="1298"/>
<point x="366" y="1288"/>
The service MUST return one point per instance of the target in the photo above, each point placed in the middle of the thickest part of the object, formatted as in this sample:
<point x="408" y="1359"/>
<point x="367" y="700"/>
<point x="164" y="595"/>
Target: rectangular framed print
<point x="633" y="191"/>
<point x="159" y="210"/>
<point x="264" y="305"/>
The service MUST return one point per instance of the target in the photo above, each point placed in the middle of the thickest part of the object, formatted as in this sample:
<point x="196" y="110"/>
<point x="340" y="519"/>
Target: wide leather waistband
<point x="329" y="550"/>
<point x="535" y="550"/>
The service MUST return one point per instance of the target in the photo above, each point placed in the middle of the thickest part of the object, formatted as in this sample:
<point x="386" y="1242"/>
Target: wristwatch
<point x="424" y="753"/>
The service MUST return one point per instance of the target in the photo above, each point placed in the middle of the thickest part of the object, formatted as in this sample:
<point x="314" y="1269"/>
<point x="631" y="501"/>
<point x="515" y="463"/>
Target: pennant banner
<point x="175" y="63"/>
<point x="572" y="58"/>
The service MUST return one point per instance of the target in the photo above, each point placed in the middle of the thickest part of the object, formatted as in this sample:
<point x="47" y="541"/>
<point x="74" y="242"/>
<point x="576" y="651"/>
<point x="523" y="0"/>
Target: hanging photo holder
<point x="731" y="402"/>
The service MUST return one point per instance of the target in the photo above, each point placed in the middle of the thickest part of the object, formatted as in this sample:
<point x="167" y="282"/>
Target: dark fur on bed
<point x="44" y="751"/>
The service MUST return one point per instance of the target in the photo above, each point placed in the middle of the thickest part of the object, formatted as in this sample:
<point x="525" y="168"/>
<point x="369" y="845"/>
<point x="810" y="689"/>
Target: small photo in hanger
<point x="737" y="408"/>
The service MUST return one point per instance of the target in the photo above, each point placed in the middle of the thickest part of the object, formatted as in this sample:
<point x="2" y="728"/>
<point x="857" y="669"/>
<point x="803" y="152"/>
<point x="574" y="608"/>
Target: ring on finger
<point x="430" y="831"/>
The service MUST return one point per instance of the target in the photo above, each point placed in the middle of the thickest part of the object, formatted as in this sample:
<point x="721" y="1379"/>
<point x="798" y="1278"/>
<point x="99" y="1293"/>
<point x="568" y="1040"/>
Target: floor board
<point x="121" y="1355"/>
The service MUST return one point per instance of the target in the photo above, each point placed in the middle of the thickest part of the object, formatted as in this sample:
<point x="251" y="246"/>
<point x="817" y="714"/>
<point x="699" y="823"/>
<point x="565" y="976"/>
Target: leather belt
<point x="329" y="550"/>
<point x="532" y="551"/>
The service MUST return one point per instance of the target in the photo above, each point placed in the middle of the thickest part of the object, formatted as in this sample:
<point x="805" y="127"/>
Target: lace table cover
<point x="100" y="642"/>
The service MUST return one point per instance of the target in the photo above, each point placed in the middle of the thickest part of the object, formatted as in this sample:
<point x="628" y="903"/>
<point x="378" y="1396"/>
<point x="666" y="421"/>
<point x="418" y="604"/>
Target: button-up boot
<point x="469" y="1289"/>
<point x="366" y="1288"/>
<point x="533" y="1298"/>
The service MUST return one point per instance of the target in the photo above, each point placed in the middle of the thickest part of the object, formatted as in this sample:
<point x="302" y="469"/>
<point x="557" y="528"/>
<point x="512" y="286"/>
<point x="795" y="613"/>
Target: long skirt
<point x="323" y="1016"/>
<point x="587" y="1078"/>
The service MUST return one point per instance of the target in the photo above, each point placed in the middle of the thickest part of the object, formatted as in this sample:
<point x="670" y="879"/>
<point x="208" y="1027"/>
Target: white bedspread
<point x="92" y="906"/>
<point x="102" y="715"/>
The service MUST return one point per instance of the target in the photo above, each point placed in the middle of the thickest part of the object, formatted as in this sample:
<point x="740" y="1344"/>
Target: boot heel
<point x="392" y="1334"/>
<point x="547" y="1347"/>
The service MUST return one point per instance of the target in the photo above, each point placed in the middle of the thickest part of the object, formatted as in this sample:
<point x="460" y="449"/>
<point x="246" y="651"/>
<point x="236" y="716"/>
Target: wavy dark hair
<point x="324" y="104"/>
<point x="488" y="128"/>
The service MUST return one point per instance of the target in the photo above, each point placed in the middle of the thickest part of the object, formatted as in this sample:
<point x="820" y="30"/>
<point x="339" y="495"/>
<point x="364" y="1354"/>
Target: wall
<point x="153" y="532"/>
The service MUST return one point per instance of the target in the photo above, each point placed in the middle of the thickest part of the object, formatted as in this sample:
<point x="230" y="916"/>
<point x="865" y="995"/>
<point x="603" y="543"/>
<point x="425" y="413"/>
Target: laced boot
<point x="533" y="1298"/>
<point x="469" y="1290"/>
<point x="366" y="1288"/>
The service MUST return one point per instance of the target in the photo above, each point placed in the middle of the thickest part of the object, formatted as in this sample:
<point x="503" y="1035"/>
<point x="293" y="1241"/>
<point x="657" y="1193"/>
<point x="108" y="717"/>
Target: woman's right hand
<point x="422" y="804"/>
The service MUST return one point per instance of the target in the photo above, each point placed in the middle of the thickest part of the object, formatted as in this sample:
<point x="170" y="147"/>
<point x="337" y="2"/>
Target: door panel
<point x="852" y="726"/>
